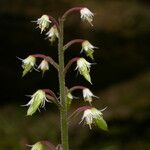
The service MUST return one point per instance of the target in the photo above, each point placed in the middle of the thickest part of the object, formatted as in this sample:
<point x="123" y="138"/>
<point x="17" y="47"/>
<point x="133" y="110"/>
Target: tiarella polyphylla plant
<point x="63" y="101"/>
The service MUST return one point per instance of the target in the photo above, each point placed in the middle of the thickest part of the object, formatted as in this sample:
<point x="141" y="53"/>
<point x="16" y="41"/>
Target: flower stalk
<point x="63" y="110"/>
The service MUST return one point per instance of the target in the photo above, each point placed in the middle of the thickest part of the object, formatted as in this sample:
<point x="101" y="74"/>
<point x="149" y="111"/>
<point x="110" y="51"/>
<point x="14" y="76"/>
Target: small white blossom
<point x="90" y="114"/>
<point x="28" y="64"/>
<point x="88" y="48"/>
<point x="87" y="95"/>
<point x="84" y="68"/>
<point x="43" y="22"/>
<point x="44" y="66"/>
<point x="52" y="34"/>
<point x="37" y="100"/>
<point x="87" y="15"/>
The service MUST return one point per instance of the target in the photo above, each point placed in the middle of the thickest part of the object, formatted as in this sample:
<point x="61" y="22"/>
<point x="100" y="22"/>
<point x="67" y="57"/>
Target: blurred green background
<point x="121" y="77"/>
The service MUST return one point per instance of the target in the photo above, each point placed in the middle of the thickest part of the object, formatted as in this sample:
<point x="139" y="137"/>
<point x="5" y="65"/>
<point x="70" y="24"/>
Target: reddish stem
<point x="54" y="21"/>
<point x="70" y="63"/>
<point x="74" y="9"/>
<point x="79" y="110"/>
<point x="73" y="42"/>
<point x="76" y="88"/>
<point x="50" y="92"/>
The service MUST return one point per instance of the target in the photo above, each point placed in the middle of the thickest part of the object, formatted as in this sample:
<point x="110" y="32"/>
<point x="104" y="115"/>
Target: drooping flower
<point x="28" y="64"/>
<point x="87" y="95"/>
<point x="52" y="34"/>
<point x="84" y="68"/>
<point x="43" y="22"/>
<point x="44" y="66"/>
<point x="87" y="15"/>
<point x="88" y="48"/>
<point x="90" y="115"/>
<point x="38" y="100"/>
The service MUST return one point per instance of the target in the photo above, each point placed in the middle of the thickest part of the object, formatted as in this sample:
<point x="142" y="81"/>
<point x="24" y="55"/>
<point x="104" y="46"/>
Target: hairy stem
<point x="63" y="110"/>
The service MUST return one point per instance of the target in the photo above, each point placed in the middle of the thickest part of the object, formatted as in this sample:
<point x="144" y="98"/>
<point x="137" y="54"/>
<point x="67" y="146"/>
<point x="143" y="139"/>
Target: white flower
<point x="88" y="48"/>
<point x="87" y="95"/>
<point x="28" y="64"/>
<point x="37" y="100"/>
<point x="84" y="68"/>
<point x="90" y="114"/>
<point x="87" y="15"/>
<point x="52" y="34"/>
<point x="44" y="66"/>
<point x="43" y="22"/>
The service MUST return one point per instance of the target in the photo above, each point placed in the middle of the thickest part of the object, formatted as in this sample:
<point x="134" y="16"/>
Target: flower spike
<point x="28" y="64"/>
<point x="86" y="15"/>
<point x="84" y="68"/>
<point x="43" y="22"/>
<point x="88" y="48"/>
<point x="37" y="101"/>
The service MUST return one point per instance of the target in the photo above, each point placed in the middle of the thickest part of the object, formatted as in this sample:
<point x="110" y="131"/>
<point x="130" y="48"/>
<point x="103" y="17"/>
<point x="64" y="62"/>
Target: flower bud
<point x="37" y="100"/>
<point x="44" y="66"/>
<point x="37" y="146"/>
<point x="52" y="34"/>
<point x="84" y="68"/>
<point x="69" y="99"/>
<point x="87" y="95"/>
<point x="43" y="22"/>
<point x="86" y="15"/>
<point x="88" y="48"/>
<point x="28" y="64"/>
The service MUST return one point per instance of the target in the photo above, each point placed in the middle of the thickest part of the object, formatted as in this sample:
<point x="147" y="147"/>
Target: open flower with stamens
<point x="87" y="95"/>
<point x="94" y="116"/>
<point x="87" y="15"/>
<point x="28" y="64"/>
<point x="44" y="66"/>
<point x="52" y="34"/>
<point x="38" y="100"/>
<point x="43" y="22"/>
<point x="88" y="48"/>
<point x="84" y="68"/>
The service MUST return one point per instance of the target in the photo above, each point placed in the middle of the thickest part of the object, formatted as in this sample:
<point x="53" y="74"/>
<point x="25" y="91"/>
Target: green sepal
<point x="34" y="106"/>
<point x="27" y="68"/>
<point x="101" y="123"/>
<point x="89" y="53"/>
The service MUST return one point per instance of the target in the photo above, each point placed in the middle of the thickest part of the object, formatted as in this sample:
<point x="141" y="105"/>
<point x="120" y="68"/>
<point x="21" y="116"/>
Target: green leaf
<point x="101" y="123"/>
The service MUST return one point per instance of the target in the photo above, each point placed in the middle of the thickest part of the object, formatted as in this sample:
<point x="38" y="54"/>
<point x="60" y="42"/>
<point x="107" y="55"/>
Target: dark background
<point x="120" y="78"/>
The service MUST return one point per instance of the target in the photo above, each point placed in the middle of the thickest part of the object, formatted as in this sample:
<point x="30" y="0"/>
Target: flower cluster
<point x="29" y="63"/>
<point x="44" y="23"/>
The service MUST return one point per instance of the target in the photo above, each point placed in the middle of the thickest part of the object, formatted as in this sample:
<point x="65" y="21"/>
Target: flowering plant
<point x="91" y="115"/>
